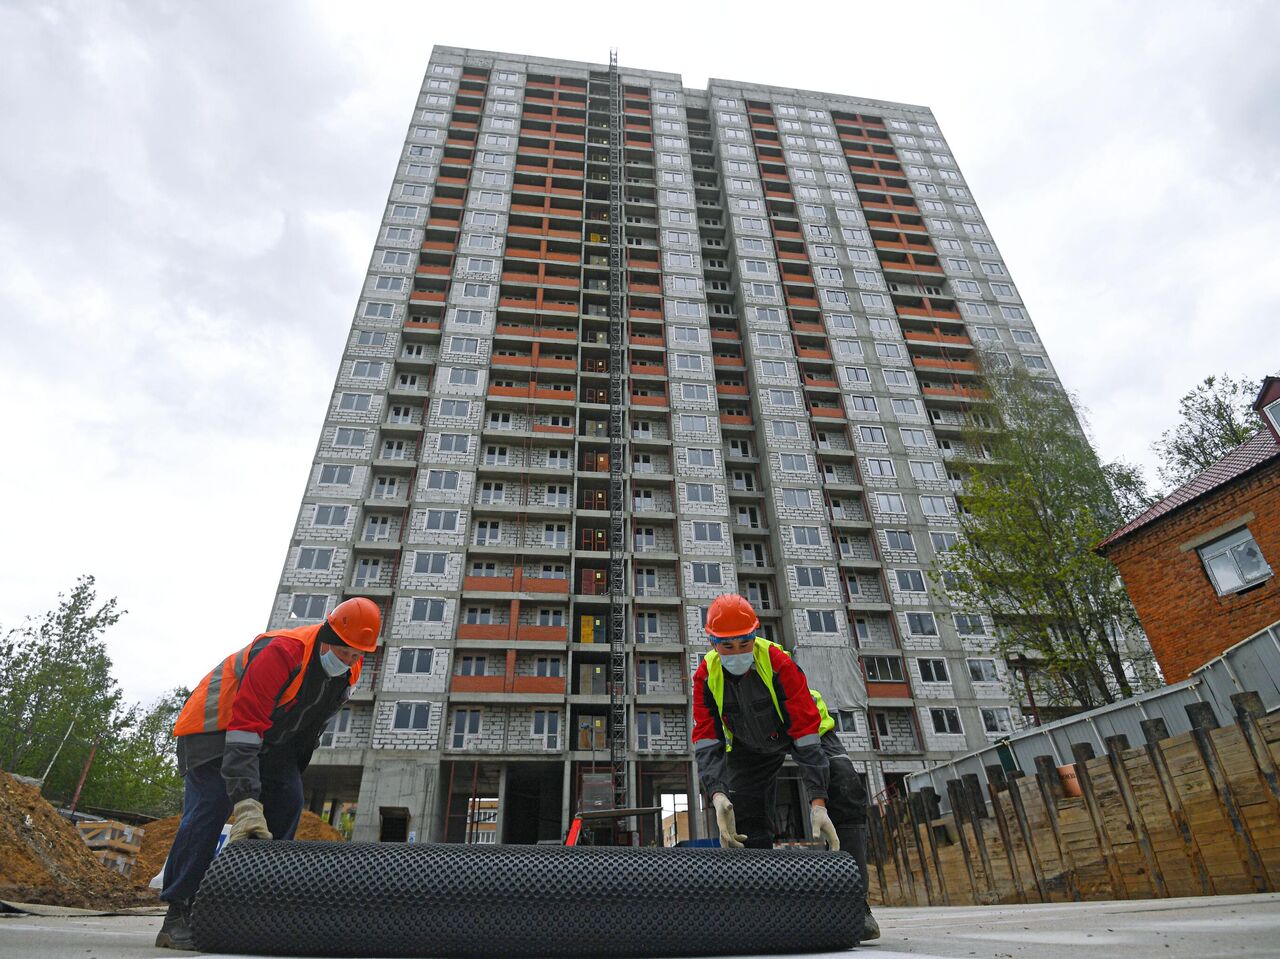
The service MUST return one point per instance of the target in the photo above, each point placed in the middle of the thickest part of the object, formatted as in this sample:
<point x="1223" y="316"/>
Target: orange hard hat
<point x="357" y="622"/>
<point x="731" y="616"/>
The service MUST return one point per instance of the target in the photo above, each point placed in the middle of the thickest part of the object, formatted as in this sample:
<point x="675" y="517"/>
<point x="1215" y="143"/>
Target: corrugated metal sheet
<point x="1251" y="665"/>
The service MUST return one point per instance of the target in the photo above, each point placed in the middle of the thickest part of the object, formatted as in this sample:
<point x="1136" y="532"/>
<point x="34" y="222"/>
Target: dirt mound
<point x="43" y="859"/>
<point x="159" y="837"/>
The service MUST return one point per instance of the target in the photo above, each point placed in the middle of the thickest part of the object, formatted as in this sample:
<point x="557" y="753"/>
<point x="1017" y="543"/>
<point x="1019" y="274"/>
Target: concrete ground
<point x="1205" y="928"/>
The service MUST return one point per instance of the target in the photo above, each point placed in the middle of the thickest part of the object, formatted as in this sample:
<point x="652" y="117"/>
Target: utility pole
<point x="84" y="773"/>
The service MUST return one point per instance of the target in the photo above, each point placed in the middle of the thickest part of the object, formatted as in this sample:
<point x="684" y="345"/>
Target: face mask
<point x="332" y="664"/>
<point x="739" y="664"/>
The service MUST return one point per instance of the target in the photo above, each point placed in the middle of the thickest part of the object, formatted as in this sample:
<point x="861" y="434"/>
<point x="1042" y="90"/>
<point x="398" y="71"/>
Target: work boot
<point x="870" y="928"/>
<point x="175" y="932"/>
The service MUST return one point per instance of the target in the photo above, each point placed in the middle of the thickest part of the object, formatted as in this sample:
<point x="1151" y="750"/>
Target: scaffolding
<point x="617" y="408"/>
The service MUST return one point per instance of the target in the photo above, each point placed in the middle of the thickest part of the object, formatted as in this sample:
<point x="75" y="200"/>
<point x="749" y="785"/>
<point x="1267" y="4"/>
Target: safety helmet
<point x="730" y="617"/>
<point x="357" y="622"/>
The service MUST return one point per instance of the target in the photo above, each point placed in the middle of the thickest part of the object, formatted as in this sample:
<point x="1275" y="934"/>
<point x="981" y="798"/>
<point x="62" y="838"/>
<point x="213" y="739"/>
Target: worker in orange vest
<point x="752" y="706"/>
<point x="245" y="736"/>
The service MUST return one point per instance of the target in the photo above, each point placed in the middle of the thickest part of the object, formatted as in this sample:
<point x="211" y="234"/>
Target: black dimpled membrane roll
<point x="393" y="899"/>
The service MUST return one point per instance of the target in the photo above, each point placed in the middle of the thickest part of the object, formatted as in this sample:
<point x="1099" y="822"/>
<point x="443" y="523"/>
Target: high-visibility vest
<point x="764" y="666"/>
<point x="208" y="708"/>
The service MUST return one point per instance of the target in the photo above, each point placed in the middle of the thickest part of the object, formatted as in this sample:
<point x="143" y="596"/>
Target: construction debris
<point x="115" y="844"/>
<point x="44" y="860"/>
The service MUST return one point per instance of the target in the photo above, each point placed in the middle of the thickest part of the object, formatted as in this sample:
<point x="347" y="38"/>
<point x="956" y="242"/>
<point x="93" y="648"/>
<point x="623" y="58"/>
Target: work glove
<point x="730" y="838"/>
<point x="250" y="822"/>
<point x="822" y="827"/>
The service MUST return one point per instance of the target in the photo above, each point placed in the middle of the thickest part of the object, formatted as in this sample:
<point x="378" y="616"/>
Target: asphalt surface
<point x="1240" y="927"/>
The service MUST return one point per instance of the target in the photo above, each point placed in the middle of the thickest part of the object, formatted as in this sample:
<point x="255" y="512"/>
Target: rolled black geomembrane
<point x="394" y="899"/>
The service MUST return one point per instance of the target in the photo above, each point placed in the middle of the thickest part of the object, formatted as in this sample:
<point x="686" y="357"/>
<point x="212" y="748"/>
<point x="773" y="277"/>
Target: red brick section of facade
<point x="1186" y="620"/>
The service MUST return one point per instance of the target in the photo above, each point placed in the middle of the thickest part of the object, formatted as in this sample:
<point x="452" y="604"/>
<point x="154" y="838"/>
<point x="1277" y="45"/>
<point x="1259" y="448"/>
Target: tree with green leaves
<point x="60" y="703"/>
<point x="1034" y="503"/>
<point x="1215" y="417"/>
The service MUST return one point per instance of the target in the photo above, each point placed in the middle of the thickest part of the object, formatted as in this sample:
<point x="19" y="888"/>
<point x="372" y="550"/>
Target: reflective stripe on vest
<point x="764" y="666"/>
<point x="208" y="708"/>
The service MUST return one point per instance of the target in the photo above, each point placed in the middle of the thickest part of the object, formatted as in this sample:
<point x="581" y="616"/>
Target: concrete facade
<point x="808" y="281"/>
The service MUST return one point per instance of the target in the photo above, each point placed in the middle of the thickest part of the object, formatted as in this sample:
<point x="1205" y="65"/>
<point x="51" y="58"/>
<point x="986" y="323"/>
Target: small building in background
<point x="1199" y="565"/>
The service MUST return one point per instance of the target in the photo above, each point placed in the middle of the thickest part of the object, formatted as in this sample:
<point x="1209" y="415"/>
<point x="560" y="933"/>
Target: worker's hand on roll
<point x="822" y="826"/>
<point x="729" y="835"/>
<point x="250" y="822"/>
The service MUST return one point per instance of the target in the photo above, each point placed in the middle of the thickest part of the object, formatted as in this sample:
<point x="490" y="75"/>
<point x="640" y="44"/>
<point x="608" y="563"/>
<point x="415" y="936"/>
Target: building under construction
<point x="624" y="346"/>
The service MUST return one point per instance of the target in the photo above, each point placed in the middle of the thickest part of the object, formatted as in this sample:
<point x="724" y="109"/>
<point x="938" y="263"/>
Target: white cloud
<point x="192" y="192"/>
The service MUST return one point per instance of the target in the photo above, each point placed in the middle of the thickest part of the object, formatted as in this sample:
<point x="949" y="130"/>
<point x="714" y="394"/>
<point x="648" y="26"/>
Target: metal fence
<point x="1252" y="665"/>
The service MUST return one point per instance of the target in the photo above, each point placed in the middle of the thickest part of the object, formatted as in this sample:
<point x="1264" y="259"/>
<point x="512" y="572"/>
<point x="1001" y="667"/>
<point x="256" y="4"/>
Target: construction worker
<point x="752" y="705"/>
<point x="245" y="736"/>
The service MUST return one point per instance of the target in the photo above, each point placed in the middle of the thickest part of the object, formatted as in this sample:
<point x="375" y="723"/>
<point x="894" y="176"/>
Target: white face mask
<point x="332" y="664"/>
<point x="739" y="663"/>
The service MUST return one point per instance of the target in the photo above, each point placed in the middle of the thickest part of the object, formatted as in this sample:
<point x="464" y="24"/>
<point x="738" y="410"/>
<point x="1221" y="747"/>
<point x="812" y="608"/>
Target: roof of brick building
<point x="1258" y="450"/>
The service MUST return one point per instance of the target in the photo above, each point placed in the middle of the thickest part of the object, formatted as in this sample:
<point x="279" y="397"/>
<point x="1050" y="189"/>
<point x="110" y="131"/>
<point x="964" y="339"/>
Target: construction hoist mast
<point x="617" y="409"/>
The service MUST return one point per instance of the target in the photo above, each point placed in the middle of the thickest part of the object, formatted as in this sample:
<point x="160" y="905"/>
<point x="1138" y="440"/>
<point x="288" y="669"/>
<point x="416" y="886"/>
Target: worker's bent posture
<point x="751" y="706"/>
<point x="245" y="736"/>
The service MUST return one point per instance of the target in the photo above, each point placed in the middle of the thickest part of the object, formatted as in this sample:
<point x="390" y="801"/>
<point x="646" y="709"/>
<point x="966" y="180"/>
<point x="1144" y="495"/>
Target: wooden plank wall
<point x="1190" y="815"/>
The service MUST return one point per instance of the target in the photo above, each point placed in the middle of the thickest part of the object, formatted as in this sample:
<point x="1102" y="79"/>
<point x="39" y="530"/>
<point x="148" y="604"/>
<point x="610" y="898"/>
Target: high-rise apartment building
<point x="800" y="281"/>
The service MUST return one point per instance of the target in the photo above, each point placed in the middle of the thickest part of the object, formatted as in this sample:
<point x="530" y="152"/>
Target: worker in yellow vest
<point x="752" y="705"/>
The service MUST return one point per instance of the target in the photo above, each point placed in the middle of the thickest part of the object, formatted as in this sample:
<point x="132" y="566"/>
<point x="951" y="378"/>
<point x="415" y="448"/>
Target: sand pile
<point x="159" y="837"/>
<point x="43" y="859"/>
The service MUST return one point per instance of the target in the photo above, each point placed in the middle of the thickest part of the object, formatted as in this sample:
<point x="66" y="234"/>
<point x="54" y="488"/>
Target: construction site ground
<point x="1240" y="927"/>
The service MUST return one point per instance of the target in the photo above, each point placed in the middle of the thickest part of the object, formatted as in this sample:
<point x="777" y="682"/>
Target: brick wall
<point x="1187" y="622"/>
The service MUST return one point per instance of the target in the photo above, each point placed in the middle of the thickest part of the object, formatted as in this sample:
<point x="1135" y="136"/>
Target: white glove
<point x="250" y="822"/>
<point x="730" y="838"/>
<point x="822" y="827"/>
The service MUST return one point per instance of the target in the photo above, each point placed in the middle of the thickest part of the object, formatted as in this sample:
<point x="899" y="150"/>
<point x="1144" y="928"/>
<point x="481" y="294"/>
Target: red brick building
<point x="1199" y="565"/>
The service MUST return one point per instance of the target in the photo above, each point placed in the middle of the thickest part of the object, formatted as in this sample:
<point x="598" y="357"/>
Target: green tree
<point x="55" y="672"/>
<point x="137" y="768"/>
<point x="1215" y="417"/>
<point x="1035" y="501"/>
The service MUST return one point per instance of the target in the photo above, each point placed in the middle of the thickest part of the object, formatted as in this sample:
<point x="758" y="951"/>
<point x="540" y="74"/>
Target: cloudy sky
<point x="189" y="194"/>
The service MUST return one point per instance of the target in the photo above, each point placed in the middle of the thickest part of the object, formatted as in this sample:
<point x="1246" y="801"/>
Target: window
<point x="466" y="725"/>
<point x="794" y="462"/>
<point x="430" y="563"/>
<point x="942" y="541"/>
<point x="442" y="519"/>
<point x="783" y="398"/>
<point x="442" y="479"/>
<point x="415" y="660"/>
<point x="910" y="580"/>
<point x="922" y="624"/>
<point x="700" y="456"/>
<point x="997" y="720"/>
<point x="813" y="577"/>
<point x="366" y="369"/>
<point x="327" y="515"/>
<point x="935" y="505"/>
<point x="969" y="624"/>
<point x="901" y="539"/>
<point x="463" y="376"/>
<point x="880" y="467"/>
<point x="857" y="374"/>
<point x="797" y="498"/>
<point x="806" y="535"/>
<point x="369" y="337"/>
<point x="1234" y="562"/>
<point x="695" y="392"/>
<point x="707" y="532"/>
<point x="896" y="378"/>
<point x="933" y="670"/>
<point x="308" y="606"/>
<point x="454" y="442"/>
<point x="648" y="727"/>
<point x="1035" y="362"/>
<point x="692" y="423"/>
<point x="945" y="721"/>
<point x="335" y="475"/>
<point x="822" y="621"/>
<point x="864" y="404"/>
<point x="706" y="573"/>
<point x="883" y="669"/>
<point x="546" y="726"/>
<point x="890" y="503"/>
<point x="412" y="715"/>
<point x="773" y="368"/>
<point x="786" y="428"/>
<point x="700" y="493"/>
<point x="455" y="407"/>
<point x="871" y="434"/>
<point x="914" y="437"/>
<point x="983" y="670"/>
<point x="312" y="558"/>
<point x="427" y="610"/>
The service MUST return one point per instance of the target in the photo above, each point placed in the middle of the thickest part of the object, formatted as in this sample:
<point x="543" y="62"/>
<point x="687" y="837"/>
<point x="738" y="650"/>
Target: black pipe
<point x="395" y="899"/>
